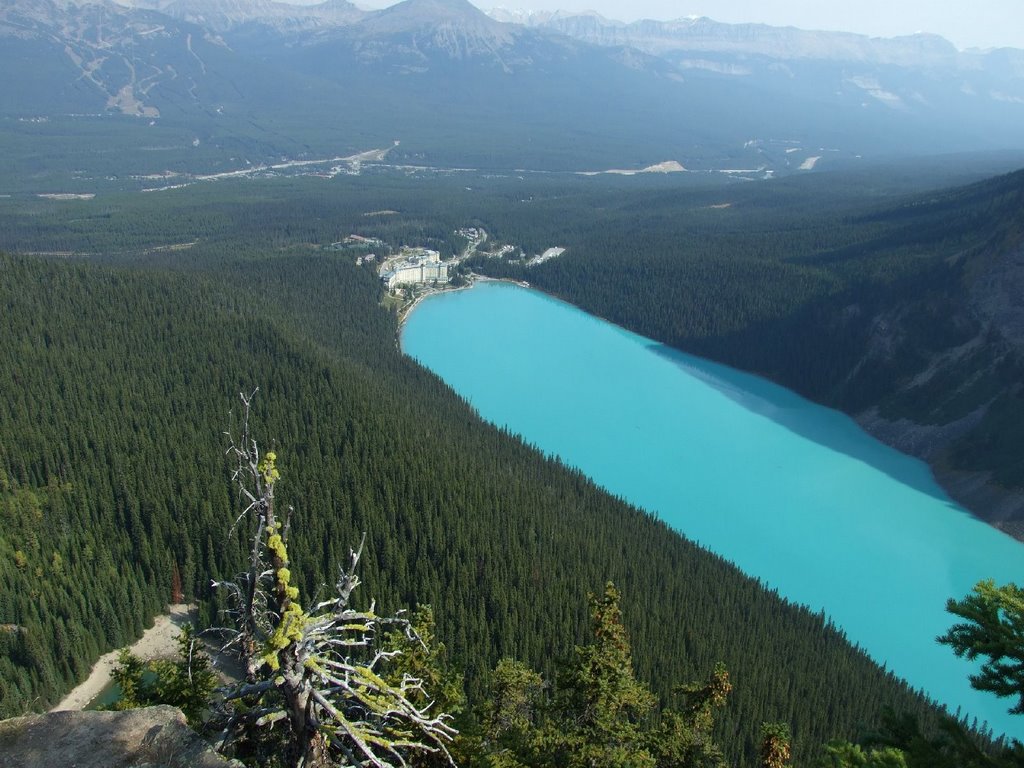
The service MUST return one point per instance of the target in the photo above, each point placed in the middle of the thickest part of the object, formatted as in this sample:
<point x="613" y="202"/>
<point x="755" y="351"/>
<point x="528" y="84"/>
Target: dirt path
<point x="157" y="642"/>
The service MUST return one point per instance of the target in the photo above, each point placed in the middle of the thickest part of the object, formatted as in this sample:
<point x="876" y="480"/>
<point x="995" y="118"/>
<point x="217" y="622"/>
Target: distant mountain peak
<point x="437" y="10"/>
<point x="540" y="18"/>
<point x="459" y="6"/>
<point x="454" y="28"/>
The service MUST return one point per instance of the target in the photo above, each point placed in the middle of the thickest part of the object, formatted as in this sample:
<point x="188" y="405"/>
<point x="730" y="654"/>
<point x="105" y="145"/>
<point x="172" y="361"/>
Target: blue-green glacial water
<point x="793" y="493"/>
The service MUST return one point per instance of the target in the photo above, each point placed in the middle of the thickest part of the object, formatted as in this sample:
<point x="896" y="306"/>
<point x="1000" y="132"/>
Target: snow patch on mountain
<point x="874" y="89"/>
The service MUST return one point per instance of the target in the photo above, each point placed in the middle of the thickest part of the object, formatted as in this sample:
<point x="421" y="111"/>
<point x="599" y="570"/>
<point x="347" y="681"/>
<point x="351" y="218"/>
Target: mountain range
<point x="242" y="81"/>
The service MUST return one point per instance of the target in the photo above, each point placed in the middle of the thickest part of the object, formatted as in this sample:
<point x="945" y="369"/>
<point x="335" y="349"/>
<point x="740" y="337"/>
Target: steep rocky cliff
<point x="967" y="397"/>
<point x="155" y="737"/>
<point x="931" y="361"/>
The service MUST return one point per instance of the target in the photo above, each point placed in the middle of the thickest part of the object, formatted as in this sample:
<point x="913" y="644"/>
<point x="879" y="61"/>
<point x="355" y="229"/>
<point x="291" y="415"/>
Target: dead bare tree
<point x="314" y="694"/>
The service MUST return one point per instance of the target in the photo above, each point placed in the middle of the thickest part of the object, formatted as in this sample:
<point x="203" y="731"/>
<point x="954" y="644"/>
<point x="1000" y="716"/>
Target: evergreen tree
<point x="601" y="716"/>
<point x="186" y="682"/>
<point x="951" y="745"/>
<point x="509" y="714"/>
<point x="842" y="754"/>
<point x="684" y="738"/>
<point x="601" y="705"/>
<point x="993" y="629"/>
<point x="775" y="745"/>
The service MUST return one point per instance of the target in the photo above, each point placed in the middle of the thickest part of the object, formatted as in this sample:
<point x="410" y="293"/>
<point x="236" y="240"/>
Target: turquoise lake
<point x="795" y="494"/>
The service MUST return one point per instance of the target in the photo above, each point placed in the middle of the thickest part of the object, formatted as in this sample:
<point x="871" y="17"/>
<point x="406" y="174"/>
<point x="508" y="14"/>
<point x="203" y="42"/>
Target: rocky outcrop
<point x="154" y="737"/>
<point x="285" y="18"/>
<point x="998" y="294"/>
<point x="1001" y="507"/>
<point x="783" y="43"/>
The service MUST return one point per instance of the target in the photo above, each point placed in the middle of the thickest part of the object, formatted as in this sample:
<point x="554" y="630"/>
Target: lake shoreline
<point x="725" y="451"/>
<point x="158" y="642"/>
<point x="998" y="507"/>
<point x="407" y="310"/>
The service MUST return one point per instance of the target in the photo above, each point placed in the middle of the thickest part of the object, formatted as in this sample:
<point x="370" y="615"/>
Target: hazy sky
<point x="981" y="23"/>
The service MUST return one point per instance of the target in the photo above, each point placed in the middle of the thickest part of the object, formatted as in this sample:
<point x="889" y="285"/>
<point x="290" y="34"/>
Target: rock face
<point x="283" y="18"/>
<point x="155" y="737"/>
<point x="783" y="43"/>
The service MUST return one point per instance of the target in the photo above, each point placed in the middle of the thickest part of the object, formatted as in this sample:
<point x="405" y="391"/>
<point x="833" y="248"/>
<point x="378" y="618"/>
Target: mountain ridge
<point x="263" y="79"/>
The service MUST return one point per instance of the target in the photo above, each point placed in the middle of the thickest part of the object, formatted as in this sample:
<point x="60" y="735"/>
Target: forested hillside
<point x="117" y="389"/>
<point x="122" y="373"/>
<point x="906" y="313"/>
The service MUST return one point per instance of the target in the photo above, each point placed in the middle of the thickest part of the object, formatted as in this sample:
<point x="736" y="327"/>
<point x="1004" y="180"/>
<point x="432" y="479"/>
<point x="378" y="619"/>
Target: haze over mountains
<point x="223" y="83"/>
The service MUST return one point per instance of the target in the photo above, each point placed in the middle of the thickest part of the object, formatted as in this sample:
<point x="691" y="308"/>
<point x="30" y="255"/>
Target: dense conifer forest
<point x="122" y="358"/>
